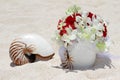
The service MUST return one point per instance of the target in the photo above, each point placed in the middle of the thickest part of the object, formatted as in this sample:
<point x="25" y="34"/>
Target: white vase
<point x="82" y="54"/>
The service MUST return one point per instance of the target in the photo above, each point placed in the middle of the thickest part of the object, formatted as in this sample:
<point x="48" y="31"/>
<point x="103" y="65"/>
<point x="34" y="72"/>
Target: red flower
<point x="62" y="32"/>
<point x="73" y="27"/>
<point x="78" y="14"/>
<point x="59" y="24"/>
<point x="66" y="26"/>
<point x="90" y="15"/>
<point x="70" y="20"/>
<point x="105" y="30"/>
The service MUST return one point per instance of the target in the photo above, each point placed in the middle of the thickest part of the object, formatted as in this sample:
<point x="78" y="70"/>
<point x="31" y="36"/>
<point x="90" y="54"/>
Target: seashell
<point x="80" y="55"/>
<point x="30" y="48"/>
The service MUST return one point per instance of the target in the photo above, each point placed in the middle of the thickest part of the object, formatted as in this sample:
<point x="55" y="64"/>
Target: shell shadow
<point x="12" y="64"/>
<point x="102" y="61"/>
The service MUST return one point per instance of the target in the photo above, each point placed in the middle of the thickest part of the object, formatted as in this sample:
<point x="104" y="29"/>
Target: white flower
<point x="69" y="38"/>
<point x="84" y="14"/>
<point x="99" y="33"/>
<point x="69" y="30"/>
<point x="89" y="21"/>
<point x="62" y="24"/>
<point x="78" y="18"/>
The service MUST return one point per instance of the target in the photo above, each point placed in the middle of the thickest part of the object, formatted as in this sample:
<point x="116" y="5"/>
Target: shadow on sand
<point x="13" y="65"/>
<point x="102" y="61"/>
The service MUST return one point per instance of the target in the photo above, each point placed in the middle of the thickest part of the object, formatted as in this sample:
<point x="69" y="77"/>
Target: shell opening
<point x="31" y="57"/>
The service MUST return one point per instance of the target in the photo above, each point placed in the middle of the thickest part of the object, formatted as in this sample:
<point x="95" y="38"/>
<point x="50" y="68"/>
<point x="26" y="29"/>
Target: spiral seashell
<point x="30" y="48"/>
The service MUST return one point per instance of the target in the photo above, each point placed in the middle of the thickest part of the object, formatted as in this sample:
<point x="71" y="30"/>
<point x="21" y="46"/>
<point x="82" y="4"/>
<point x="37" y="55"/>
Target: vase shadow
<point x="102" y="61"/>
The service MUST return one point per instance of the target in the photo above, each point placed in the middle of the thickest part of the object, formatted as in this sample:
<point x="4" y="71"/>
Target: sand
<point x="41" y="16"/>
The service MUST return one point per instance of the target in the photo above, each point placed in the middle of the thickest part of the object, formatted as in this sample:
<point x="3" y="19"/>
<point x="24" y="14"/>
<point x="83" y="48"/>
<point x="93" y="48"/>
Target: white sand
<point x="41" y="17"/>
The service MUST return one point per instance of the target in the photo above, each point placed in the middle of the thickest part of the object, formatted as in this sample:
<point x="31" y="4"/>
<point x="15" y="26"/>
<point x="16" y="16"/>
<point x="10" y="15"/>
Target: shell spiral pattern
<point x="18" y="50"/>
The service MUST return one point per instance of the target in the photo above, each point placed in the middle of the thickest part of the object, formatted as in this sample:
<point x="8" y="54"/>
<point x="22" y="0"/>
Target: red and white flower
<point x="81" y="25"/>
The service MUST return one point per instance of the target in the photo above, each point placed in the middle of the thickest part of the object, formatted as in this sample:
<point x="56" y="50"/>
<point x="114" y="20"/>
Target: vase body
<point x="82" y="53"/>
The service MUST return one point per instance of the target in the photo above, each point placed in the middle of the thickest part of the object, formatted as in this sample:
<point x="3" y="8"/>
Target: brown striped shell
<point x="22" y="52"/>
<point x="67" y="63"/>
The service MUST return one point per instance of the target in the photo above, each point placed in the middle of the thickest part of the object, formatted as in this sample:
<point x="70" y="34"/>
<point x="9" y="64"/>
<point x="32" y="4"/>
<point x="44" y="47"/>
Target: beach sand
<point x="41" y="16"/>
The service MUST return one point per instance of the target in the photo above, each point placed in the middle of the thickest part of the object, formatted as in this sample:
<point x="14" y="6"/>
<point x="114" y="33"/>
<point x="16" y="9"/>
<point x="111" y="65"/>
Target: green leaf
<point x="81" y="29"/>
<point x="93" y="30"/>
<point x="72" y="9"/>
<point x="86" y="36"/>
<point x="101" y="46"/>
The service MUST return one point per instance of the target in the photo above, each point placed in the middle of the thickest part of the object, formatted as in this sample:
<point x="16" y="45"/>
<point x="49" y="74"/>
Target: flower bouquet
<point x="81" y="34"/>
